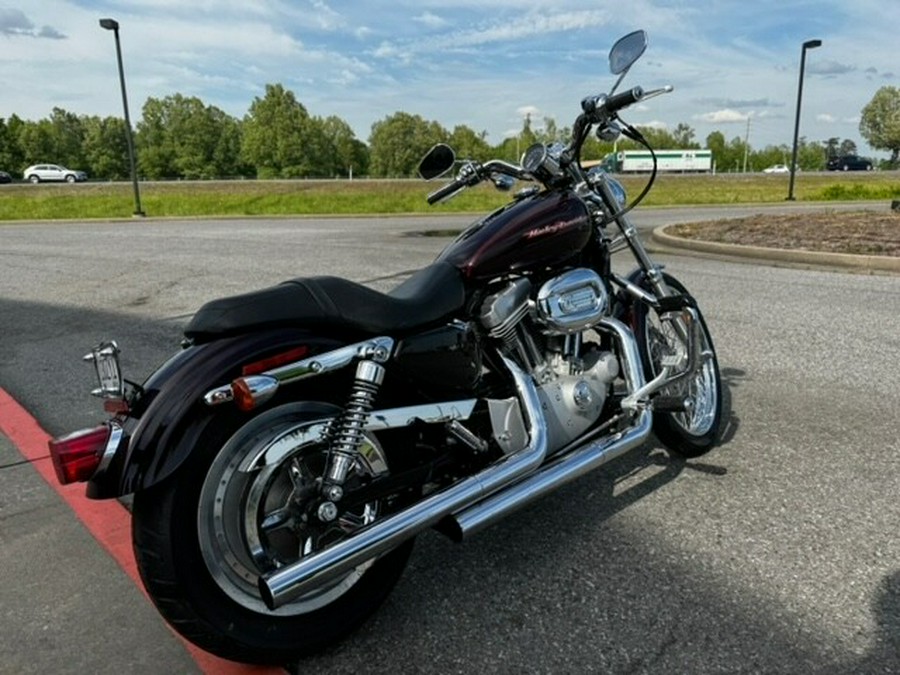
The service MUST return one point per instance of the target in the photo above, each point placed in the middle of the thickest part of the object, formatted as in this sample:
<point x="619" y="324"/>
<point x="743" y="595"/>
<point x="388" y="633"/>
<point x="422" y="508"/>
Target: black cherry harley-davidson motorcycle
<point x="284" y="460"/>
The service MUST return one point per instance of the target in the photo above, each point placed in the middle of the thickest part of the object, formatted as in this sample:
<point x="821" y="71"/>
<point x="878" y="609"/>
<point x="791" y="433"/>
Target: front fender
<point x="169" y="414"/>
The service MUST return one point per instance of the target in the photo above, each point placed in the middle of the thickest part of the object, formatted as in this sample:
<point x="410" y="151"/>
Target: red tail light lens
<point x="77" y="456"/>
<point x="274" y="361"/>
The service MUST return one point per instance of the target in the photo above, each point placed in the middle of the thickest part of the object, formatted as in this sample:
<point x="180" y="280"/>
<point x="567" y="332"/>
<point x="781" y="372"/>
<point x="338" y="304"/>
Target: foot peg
<point x="672" y="404"/>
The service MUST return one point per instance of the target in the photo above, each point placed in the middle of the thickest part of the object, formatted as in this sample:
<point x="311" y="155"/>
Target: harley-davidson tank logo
<point x="553" y="228"/>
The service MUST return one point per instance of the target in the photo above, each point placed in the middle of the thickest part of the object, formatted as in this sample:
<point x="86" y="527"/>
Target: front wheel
<point x="247" y="504"/>
<point x="696" y="430"/>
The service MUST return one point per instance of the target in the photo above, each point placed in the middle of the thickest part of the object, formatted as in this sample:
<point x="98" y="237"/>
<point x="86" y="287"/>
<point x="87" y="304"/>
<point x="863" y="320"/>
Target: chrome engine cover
<point x="572" y="402"/>
<point x="572" y="302"/>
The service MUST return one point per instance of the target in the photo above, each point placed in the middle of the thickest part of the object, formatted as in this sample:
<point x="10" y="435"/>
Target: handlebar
<point x="472" y="174"/>
<point x="596" y="110"/>
<point x="444" y="192"/>
<point x="618" y="101"/>
<point x="601" y="108"/>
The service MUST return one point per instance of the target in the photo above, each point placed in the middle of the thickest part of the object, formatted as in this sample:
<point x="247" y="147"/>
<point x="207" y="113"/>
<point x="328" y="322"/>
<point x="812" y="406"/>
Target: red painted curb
<point x="107" y="521"/>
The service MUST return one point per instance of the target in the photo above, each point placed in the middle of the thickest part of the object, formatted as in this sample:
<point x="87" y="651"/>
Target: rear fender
<point x="161" y="428"/>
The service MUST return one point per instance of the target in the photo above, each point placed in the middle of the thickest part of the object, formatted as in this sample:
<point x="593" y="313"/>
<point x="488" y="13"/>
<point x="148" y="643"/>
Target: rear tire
<point x="203" y="537"/>
<point x="34" y="179"/>
<point x="694" y="432"/>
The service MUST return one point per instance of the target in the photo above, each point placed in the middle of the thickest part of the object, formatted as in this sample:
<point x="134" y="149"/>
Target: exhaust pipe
<point x="292" y="581"/>
<point x="477" y="501"/>
<point x="564" y="469"/>
<point x="568" y="465"/>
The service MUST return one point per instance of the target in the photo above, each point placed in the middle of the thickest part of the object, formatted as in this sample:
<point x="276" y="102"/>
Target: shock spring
<point x="347" y="431"/>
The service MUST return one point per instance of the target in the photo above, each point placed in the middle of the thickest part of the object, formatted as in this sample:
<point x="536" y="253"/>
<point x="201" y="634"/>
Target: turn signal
<point x="77" y="455"/>
<point x="250" y="392"/>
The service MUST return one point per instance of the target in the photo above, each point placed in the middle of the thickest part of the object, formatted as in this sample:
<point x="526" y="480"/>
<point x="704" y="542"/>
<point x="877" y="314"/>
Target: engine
<point x="544" y="333"/>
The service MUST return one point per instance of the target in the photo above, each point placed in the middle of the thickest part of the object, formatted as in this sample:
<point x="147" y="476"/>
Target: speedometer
<point x="534" y="157"/>
<point x="542" y="162"/>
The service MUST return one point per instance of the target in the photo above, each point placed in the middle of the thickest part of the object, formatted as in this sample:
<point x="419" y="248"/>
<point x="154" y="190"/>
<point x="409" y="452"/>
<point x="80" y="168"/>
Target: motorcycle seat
<point x="428" y="296"/>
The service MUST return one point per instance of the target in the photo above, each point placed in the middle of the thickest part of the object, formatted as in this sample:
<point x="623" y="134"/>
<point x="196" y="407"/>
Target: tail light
<point x="78" y="455"/>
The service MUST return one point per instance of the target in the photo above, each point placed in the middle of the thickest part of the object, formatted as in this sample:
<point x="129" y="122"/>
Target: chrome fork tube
<point x="292" y="581"/>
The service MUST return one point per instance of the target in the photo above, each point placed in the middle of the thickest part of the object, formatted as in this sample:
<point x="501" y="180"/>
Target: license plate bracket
<point x="105" y="358"/>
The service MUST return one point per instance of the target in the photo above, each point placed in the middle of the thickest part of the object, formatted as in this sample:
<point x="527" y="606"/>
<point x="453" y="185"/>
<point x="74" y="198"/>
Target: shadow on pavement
<point x="583" y="581"/>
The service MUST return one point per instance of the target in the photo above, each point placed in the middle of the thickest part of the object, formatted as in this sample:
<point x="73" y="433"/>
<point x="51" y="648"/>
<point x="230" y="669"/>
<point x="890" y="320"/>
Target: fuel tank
<point x="534" y="232"/>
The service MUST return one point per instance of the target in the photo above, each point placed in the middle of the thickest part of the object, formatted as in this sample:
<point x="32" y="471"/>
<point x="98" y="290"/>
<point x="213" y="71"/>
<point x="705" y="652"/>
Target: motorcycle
<point x="284" y="459"/>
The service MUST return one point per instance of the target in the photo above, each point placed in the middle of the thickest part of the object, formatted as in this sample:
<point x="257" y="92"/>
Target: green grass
<point x="286" y="198"/>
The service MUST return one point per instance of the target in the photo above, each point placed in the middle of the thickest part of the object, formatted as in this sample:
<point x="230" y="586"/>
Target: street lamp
<point x="809" y="44"/>
<point x="113" y="25"/>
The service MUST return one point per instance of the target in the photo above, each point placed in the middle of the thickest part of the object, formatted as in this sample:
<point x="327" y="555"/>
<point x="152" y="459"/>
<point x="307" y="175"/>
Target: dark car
<point x="849" y="163"/>
<point x="5" y="177"/>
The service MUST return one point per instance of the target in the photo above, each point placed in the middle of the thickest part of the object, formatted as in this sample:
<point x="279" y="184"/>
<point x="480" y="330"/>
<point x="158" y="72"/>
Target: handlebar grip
<point x="444" y="192"/>
<point x="623" y="100"/>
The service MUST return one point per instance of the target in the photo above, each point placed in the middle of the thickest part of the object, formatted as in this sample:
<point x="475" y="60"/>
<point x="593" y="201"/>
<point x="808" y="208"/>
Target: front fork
<point x="678" y="310"/>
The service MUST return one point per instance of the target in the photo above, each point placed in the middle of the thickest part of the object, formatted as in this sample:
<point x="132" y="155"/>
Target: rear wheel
<point x="34" y="179"/>
<point x="248" y="505"/>
<point x="694" y="431"/>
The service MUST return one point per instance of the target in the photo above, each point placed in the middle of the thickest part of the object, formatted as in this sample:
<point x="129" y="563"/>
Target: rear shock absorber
<point x="347" y="431"/>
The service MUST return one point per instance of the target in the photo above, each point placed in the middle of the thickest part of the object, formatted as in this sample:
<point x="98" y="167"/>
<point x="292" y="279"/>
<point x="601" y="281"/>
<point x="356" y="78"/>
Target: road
<point x="777" y="552"/>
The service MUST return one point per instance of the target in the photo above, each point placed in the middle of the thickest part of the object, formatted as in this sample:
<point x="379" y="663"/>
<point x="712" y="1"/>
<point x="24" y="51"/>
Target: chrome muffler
<point x="562" y="470"/>
<point x="571" y="463"/>
<point x="477" y="501"/>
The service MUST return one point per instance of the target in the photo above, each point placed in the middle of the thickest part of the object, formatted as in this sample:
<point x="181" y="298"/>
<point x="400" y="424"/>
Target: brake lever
<point x="668" y="89"/>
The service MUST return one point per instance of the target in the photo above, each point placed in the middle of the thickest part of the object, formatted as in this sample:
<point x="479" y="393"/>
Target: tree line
<point x="180" y="137"/>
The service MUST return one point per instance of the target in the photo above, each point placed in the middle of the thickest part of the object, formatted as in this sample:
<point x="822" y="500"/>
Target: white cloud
<point x="507" y="30"/>
<point x="430" y="20"/>
<point x="455" y="61"/>
<point x="725" y="116"/>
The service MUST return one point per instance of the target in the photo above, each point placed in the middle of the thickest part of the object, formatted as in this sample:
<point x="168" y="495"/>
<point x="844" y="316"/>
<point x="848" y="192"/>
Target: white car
<point x="777" y="168"/>
<point x="40" y="172"/>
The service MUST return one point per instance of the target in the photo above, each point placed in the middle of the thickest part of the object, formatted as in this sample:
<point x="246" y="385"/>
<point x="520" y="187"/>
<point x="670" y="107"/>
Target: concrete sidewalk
<point x="54" y="622"/>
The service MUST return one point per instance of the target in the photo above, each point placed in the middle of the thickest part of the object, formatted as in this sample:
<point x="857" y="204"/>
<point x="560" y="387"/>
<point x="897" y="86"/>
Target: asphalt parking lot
<point x="775" y="553"/>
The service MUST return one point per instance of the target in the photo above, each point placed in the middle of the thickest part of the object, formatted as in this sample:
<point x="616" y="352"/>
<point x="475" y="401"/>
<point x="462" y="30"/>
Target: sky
<point x="734" y="65"/>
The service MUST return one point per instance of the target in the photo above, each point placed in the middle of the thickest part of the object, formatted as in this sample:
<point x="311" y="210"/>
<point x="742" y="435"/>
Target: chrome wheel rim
<point x="701" y="390"/>
<point x="251" y="522"/>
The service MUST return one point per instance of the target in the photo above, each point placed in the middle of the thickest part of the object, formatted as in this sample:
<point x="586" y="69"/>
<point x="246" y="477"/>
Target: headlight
<point x="618" y="190"/>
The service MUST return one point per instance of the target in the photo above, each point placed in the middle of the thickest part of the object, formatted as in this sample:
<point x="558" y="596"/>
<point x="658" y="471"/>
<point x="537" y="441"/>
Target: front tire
<point x="694" y="432"/>
<point x="203" y="537"/>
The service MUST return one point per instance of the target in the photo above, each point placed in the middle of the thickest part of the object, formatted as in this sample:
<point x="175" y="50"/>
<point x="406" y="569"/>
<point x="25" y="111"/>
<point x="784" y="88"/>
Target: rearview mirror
<point x="626" y="51"/>
<point x="437" y="162"/>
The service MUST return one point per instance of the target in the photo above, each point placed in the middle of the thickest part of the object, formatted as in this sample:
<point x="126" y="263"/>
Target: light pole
<point x="809" y="44"/>
<point x="113" y="25"/>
